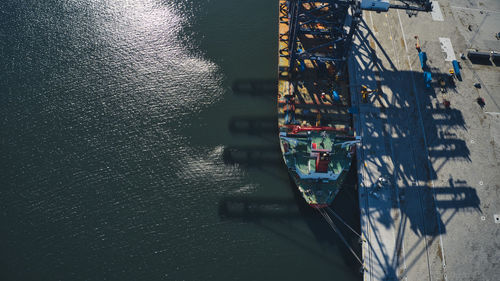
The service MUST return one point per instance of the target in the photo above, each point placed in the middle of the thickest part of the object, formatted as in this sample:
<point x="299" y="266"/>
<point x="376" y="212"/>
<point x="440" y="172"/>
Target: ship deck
<point x="438" y="216"/>
<point x="310" y="106"/>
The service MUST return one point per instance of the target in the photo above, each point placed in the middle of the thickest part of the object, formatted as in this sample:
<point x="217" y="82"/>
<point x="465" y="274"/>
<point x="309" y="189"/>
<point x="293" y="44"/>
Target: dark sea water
<point x="123" y="157"/>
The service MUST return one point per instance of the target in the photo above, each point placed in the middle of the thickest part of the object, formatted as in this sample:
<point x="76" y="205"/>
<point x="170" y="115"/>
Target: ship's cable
<point x="332" y="225"/>
<point x="342" y="221"/>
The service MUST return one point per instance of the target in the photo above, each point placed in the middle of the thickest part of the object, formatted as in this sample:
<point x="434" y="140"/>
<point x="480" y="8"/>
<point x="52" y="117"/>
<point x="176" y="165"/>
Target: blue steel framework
<point x="332" y="24"/>
<point x="338" y="20"/>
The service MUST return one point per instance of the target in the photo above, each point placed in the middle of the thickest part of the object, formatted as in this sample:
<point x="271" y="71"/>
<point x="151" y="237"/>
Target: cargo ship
<point x="315" y="123"/>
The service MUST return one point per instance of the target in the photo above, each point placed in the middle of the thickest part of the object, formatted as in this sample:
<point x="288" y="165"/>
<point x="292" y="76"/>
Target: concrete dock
<point x="429" y="176"/>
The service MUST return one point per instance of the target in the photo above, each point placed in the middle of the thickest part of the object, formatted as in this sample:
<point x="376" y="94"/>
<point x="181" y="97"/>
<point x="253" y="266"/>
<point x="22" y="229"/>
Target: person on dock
<point x="417" y="45"/>
<point x="446" y="103"/>
<point x="451" y="77"/>
<point x="365" y="93"/>
<point x="481" y="102"/>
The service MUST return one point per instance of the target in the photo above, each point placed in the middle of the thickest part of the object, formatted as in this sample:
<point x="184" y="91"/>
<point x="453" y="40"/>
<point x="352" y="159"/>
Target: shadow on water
<point x="259" y="210"/>
<point x="255" y="155"/>
<point x="283" y="212"/>
<point x="253" y="125"/>
<point x="263" y="126"/>
<point x="267" y="88"/>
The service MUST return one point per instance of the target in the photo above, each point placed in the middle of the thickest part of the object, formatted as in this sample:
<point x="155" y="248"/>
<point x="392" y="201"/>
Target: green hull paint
<point x="298" y="155"/>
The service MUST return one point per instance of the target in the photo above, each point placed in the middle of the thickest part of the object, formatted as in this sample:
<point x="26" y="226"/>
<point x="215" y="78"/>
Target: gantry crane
<point x="335" y="27"/>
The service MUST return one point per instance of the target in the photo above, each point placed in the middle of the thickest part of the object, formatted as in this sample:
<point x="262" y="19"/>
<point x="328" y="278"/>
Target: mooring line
<point x="332" y="225"/>
<point x="342" y="221"/>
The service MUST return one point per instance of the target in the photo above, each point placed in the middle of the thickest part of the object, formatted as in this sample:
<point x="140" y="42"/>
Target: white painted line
<point x="402" y="31"/>
<point x="447" y="48"/>
<point x="392" y="155"/>
<point x="436" y="12"/>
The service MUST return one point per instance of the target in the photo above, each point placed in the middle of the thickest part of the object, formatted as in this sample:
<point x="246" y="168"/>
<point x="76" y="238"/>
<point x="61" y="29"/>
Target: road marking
<point x="436" y="12"/>
<point x="447" y="48"/>
<point x="401" y="25"/>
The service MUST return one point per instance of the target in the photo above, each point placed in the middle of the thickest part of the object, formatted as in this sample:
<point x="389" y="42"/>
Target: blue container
<point x="427" y="79"/>
<point x="456" y="68"/>
<point x="336" y="96"/>
<point x="423" y="59"/>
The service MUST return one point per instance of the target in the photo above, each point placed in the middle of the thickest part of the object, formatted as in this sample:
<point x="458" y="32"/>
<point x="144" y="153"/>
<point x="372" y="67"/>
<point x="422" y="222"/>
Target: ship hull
<point x="312" y="101"/>
<point x="315" y="201"/>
